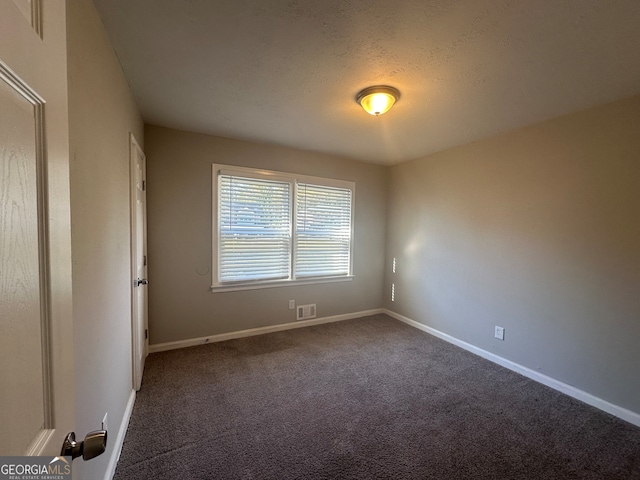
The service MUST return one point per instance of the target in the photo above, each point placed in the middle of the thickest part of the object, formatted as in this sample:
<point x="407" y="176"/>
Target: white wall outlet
<point x="292" y="304"/>
<point x="499" y="334"/>
<point x="105" y="424"/>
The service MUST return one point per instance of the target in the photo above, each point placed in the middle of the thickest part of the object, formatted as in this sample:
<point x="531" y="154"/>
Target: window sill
<point x="278" y="283"/>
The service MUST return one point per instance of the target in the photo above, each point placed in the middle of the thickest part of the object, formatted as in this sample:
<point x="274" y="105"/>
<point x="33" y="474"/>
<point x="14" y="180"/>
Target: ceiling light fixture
<point x="378" y="100"/>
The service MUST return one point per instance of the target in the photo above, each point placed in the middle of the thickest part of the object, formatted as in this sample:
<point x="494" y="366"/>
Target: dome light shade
<point x="377" y="100"/>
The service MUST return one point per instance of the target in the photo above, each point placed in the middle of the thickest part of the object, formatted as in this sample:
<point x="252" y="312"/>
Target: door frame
<point x="135" y="152"/>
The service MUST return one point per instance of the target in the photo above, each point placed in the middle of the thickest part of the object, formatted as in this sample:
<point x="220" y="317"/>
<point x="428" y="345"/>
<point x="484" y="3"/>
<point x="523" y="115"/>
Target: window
<point x="272" y="228"/>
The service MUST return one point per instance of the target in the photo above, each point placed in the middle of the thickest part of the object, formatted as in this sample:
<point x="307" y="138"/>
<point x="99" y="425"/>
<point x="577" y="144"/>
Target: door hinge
<point x="146" y="333"/>
<point x="144" y="185"/>
<point x="144" y="259"/>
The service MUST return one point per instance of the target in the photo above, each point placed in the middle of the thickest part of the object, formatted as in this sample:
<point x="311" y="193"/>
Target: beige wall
<point x="537" y="231"/>
<point x="179" y="227"/>
<point x="101" y="114"/>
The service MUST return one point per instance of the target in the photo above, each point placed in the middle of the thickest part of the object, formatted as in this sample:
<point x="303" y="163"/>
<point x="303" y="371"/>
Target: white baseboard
<point x="620" y="412"/>
<point x="119" y="440"/>
<point x="161" y="347"/>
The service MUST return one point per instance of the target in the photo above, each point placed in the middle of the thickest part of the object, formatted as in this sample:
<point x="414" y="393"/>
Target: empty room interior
<point x="448" y="289"/>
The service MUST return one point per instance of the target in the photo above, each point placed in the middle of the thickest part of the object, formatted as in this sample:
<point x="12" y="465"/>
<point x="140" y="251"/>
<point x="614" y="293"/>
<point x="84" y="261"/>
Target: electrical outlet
<point x="105" y="425"/>
<point x="292" y="304"/>
<point x="499" y="334"/>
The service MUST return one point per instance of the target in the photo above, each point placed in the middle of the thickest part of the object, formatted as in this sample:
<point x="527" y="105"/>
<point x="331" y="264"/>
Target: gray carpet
<point x="369" y="398"/>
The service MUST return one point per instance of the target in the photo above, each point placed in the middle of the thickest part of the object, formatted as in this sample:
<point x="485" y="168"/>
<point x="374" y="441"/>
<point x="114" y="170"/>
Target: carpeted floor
<point x="370" y="398"/>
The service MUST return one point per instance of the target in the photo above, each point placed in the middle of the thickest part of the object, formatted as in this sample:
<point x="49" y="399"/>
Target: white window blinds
<point x="254" y="229"/>
<point x="323" y="231"/>
<point x="271" y="228"/>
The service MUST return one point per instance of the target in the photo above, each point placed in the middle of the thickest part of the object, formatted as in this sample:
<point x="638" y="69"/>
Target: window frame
<point x="293" y="180"/>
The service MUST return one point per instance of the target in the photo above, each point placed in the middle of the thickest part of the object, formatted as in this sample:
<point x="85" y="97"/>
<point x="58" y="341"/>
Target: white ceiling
<point x="287" y="72"/>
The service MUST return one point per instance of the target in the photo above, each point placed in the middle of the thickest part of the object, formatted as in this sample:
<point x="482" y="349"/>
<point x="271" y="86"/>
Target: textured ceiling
<point x="286" y="72"/>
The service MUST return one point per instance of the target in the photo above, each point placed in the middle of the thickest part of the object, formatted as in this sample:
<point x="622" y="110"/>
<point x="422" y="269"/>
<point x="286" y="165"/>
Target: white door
<point x="139" y="261"/>
<point x="36" y="336"/>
